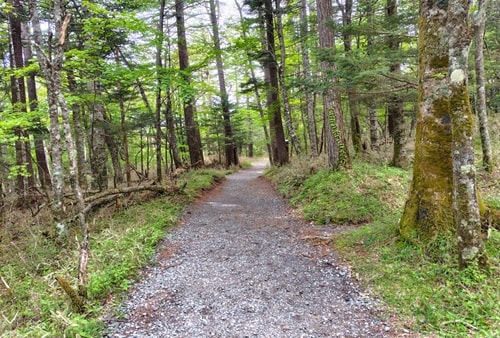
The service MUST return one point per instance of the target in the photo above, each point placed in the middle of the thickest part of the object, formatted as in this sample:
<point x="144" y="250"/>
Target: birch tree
<point x="51" y="65"/>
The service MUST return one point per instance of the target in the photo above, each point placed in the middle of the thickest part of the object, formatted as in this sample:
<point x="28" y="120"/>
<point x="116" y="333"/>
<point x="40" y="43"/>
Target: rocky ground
<point x="241" y="264"/>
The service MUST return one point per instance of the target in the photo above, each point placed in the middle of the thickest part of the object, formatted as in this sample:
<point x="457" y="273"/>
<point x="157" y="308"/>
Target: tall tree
<point x="338" y="153"/>
<point x="18" y="90"/>
<point x="471" y="248"/>
<point x="158" y="103"/>
<point x="253" y="82"/>
<point x="346" y="10"/>
<point x="480" y="25"/>
<point x="192" y="131"/>
<point x="229" y="145"/>
<point x="443" y="197"/>
<point x="39" y="129"/>
<point x="51" y="66"/>
<point x="306" y="65"/>
<point x="428" y="210"/>
<point x="278" y="143"/>
<point x="287" y="109"/>
<point x="395" y="111"/>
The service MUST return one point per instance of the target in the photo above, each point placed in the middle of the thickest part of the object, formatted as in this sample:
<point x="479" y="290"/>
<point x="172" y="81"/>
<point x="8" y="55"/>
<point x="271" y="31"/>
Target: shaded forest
<point x="102" y="100"/>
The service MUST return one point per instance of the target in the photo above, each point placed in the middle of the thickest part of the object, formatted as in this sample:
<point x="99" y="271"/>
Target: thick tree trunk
<point x="338" y="153"/>
<point x="465" y="200"/>
<point x="229" y="145"/>
<point x="192" y="131"/>
<point x="306" y="64"/>
<point x="278" y="143"/>
<point x="428" y="210"/>
<point x="480" y="23"/>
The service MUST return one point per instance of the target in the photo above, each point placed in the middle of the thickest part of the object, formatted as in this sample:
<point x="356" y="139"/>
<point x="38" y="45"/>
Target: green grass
<point x="121" y="243"/>
<point x="427" y="291"/>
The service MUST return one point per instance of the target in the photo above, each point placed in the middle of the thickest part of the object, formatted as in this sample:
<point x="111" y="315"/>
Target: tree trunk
<point x="471" y="248"/>
<point x="124" y="130"/>
<point x="482" y="113"/>
<point x="99" y="156"/>
<point x="373" y="123"/>
<point x="192" y="131"/>
<point x="346" y="10"/>
<point x="395" y="111"/>
<point x="159" y="52"/>
<point x="428" y="210"/>
<point x="229" y="145"/>
<point x="255" y="87"/>
<point x="41" y="158"/>
<point x="278" y="143"/>
<point x="287" y="109"/>
<point x="18" y="91"/>
<point x="52" y="70"/>
<point x="306" y="64"/>
<point x="76" y="110"/>
<point x="109" y="137"/>
<point x="338" y="153"/>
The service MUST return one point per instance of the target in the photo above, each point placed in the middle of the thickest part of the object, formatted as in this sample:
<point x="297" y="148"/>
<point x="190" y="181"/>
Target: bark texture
<point x="395" y="112"/>
<point x="465" y="200"/>
<point x="52" y="68"/>
<point x="428" y="210"/>
<point x="278" y="143"/>
<point x="338" y="153"/>
<point x="192" y="131"/>
<point x="480" y="23"/>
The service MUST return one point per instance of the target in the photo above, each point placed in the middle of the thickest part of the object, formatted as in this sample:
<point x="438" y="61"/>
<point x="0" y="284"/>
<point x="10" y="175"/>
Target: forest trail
<point x="239" y="265"/>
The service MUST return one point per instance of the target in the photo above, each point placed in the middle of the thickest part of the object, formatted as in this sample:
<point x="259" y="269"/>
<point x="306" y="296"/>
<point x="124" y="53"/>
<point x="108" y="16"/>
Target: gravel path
<point x="242" y="265"/>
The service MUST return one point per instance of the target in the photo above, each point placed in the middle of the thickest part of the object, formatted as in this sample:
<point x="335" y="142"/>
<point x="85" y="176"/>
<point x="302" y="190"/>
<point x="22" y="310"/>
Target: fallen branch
<point x="126" y="190"/>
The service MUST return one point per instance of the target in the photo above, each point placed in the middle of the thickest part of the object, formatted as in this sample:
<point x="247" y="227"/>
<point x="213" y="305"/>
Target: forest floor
<point x="242" y="264"/>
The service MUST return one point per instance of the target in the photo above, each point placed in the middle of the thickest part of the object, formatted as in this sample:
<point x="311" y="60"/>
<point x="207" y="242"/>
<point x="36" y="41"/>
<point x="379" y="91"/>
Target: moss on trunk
<point x="428" y="210"/>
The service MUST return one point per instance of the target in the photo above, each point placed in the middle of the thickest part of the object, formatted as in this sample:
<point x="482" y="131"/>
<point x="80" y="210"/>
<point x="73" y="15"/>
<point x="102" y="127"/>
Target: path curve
<point x="238" y="266"/>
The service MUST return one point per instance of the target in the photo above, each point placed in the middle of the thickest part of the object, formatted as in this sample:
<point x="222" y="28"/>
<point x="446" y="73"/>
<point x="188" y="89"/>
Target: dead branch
<point x="126" y="190"/>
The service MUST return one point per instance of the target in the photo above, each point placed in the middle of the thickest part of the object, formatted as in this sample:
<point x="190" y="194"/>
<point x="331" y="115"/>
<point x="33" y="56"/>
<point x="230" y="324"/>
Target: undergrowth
<point x="122" y="241"/>
<point x="427" y="291"/>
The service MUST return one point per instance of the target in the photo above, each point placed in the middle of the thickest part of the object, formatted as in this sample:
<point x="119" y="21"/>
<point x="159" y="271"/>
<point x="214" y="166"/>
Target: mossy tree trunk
<point x="428" y="210"/>
<point x="465" y="200"/>
<point x="51" y="67"/>
<point x="480" y="25"/>
<point x="338" y="153"/>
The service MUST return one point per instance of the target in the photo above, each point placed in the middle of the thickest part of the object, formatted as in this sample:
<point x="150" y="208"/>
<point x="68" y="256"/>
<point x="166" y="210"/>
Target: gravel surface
<point x="241" y="264"/>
